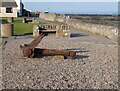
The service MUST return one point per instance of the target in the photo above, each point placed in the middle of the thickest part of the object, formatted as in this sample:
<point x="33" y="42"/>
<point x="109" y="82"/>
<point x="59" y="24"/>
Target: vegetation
<point x="18" y="20"/>
<point x="3" y="19"/>
<point x="19" y="27"/>
<point x="24" y="28"/>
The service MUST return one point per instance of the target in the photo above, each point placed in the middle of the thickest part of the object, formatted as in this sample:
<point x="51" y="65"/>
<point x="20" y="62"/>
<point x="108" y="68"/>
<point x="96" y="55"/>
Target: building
<point x="8" y="8"/>
<point x="20" y="7"/>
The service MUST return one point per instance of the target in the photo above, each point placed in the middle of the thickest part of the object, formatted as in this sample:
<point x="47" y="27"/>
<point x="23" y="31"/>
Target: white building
<point x="8" y="8"/>
<point x="20" y="7"/>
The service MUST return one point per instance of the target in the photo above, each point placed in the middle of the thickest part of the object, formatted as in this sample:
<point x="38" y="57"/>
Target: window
<point x="9" y="10"/>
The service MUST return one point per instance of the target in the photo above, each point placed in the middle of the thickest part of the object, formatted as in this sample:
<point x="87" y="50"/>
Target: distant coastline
<point x="77" y="13"/>
<point x="94" y="14"/>
<point x="88" y="13"/>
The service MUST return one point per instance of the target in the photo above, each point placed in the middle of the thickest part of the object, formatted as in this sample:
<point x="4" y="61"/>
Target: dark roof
<point x="8" y="3"/>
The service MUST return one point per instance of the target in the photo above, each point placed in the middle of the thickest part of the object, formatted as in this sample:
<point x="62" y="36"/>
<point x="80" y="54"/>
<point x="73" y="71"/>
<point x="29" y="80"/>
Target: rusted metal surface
<point x="53" y="52"/>
<point x="30" y="51"/>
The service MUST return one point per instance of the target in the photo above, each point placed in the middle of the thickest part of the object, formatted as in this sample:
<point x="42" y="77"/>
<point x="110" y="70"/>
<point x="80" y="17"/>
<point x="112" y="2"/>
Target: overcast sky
<point x="81" y="7"/>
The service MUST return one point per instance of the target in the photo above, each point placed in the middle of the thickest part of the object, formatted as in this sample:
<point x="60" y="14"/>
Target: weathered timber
<point x="30" y="51"/>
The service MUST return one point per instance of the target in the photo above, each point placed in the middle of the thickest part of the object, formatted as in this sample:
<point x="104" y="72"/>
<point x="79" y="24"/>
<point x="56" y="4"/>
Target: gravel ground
<point x="95" y="66"/>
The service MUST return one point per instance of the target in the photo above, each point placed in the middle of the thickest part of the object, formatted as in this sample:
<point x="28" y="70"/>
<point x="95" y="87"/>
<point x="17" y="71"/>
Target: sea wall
<point x="52" y="17"/>
<point x="49" y="17"/>
<point x="110" y="32"/>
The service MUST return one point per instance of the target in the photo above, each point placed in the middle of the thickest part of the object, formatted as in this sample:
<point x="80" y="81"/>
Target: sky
<point x="70" y="0"/>
<point x="81" y="7"/>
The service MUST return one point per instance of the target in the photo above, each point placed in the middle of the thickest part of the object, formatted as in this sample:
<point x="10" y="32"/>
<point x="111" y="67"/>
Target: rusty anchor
<point x="30" y="51"/>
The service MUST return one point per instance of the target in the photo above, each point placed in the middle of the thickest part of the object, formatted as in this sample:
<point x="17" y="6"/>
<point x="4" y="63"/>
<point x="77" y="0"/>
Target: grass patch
<point x="19" y="27"/>
<point x="18" y="20"/>
<point x="23" y="28"/>
<point x="3" y="19"/>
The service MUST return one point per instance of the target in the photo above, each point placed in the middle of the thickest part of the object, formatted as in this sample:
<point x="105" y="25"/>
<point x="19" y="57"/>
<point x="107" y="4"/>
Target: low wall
<point x="49" y="17"/>
<point x="105" y="30"/>
<point x="60" y="18"/>
<point x="6" y="30"/>
<point x="53" y="17"/>
<point x="58" y="30"/>
<point x="110" y="32"/>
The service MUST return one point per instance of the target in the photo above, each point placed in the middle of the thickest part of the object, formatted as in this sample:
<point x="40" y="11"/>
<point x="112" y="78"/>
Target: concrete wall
<point x="108" y="31"/>
<point x="4" y="14"/>
<point x="6" y="30"/>
<point x="49" y="17"/>
<point x="60" y="18"/>
<point x="53" y="17"/>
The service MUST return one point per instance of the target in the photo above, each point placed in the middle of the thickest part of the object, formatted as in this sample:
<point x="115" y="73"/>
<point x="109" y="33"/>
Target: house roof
<point x="8" y="3"/>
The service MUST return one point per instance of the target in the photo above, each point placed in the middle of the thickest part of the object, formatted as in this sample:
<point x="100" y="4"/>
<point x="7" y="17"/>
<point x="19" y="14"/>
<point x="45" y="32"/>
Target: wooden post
<point x="11" y="21"/>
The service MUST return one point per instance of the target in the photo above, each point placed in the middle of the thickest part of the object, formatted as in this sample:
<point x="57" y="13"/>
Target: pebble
<point x="84" y="72"/>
